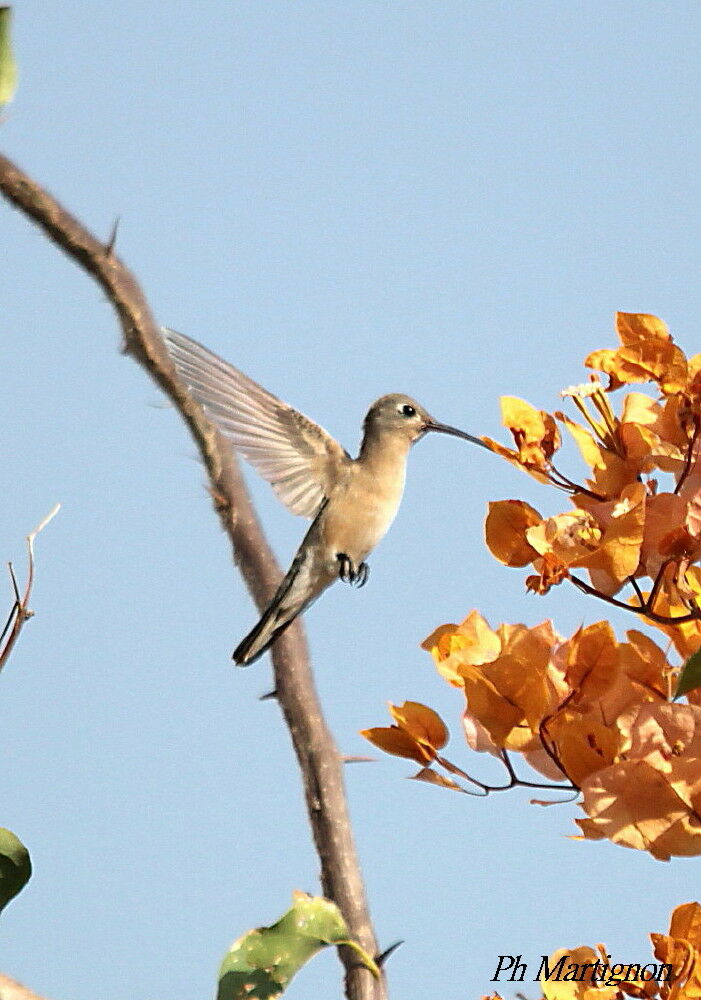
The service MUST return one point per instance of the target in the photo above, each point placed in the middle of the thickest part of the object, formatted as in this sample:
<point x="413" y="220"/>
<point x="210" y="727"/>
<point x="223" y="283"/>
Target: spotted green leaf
<point x="261" y="963"/>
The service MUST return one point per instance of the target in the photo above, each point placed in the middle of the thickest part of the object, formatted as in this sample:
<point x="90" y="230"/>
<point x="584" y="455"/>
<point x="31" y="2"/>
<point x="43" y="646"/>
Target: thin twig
<point x="571" y="487"/>
<point x="316" y="751"/>
<point x="545" y="738"/>
<point x="513" y="782"/>
<point x="552" y="785"/>
<point x="638" y="592"/>
<point x="644" y="611"/>
<point x="688" y="460"/>
<point x="652" y="596"/>
<point x="13" y="609"/>
<point x="15" y="585"/>
<point x="21" y="612"/>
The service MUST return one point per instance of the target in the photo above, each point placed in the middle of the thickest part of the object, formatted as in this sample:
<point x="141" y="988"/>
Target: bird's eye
<point x="408" y="411"/>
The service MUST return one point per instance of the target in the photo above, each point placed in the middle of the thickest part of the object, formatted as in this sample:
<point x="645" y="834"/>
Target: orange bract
<point x="651" y="798"/>
<point x="505" y="531"/>
<point x="419" y="734"/>
<point x="646" y="354"/>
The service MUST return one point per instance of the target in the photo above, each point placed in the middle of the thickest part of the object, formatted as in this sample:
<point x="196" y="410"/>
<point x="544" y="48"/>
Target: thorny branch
<point x="314" y="746"/>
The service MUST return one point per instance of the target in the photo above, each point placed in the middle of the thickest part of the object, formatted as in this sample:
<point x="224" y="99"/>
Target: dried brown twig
<point x="317" y="755"/>
<point x="20" y="611"/>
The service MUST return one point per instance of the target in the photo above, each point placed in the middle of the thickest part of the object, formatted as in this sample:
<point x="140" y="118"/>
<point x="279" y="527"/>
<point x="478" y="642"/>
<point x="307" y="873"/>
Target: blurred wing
<point x="294" y="454"/>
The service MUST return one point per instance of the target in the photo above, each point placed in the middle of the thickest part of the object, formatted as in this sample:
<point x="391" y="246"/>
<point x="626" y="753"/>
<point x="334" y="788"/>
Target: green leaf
<point x="690" y="677"/>
<point x="261" y="963"/>
<point x="15" y="866"/>
<point x="8" y="66"/>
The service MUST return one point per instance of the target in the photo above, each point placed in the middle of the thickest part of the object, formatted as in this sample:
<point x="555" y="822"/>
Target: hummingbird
<point x="351" y="501"/>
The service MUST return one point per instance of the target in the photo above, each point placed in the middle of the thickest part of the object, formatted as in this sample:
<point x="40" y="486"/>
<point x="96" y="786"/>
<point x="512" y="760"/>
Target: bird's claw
<point x="347" y="571"/>
<point x="362" y="574"/>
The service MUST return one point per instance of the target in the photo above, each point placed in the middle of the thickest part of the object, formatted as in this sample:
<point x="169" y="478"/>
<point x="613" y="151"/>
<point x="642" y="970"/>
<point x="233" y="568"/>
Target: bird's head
<point x="402" y="418"/>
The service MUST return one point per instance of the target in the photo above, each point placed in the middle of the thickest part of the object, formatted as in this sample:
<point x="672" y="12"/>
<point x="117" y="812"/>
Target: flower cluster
<point x="625" y="527"/>
<point x="590" y="714"/>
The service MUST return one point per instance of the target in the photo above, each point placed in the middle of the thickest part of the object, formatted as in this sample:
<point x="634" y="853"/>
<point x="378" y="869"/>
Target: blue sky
<point x="344" y="199"/>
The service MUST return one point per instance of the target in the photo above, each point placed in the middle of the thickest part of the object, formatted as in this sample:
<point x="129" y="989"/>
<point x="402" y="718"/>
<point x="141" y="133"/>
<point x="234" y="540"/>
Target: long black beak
<point x="432" y="425"/>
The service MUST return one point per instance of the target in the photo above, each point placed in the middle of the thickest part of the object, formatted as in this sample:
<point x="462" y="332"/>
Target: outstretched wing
<point x="294" y="454"/>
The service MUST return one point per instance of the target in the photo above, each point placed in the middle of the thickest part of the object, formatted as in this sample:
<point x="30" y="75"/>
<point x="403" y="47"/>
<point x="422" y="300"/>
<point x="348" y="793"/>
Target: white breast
<point x="361" y="511"/>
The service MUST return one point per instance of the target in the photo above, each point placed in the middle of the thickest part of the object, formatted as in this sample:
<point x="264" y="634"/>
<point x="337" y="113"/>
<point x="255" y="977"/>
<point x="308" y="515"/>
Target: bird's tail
<point x="262" y="636"/>
<point x="292" y="597"/>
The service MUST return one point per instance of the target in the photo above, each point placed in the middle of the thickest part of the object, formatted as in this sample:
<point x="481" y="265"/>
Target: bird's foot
<point x="347" y="570"/>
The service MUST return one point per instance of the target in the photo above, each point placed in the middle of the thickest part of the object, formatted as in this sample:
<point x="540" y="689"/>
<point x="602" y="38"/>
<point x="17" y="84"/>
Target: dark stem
<point x="545" y="739"/>
<point x="552" y="785"/>
<point x="652" y="596"/>
<point x="643" y="611"/>
<point x="514" y="780"/>
<point x="571" y="487"/>
<point x="638" y="592"/>
<point x="688" y="461"/>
